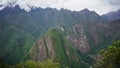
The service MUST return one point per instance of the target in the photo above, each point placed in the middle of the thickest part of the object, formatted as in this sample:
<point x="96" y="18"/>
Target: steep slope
<point x="53" y="45"/>
<point x="39" y="20"/>
<point x="91" y="36"/>
<point x="19" y="29"/>
<point x="111" y="16"/>
<point x="90" y="16"/>
<point x="24" y="27"/>
<point x="14" y="43"/>
<point x="36" y="21"/>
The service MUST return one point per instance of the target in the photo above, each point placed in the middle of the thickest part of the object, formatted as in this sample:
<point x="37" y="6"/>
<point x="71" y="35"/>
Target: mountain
<point x="90" y="36"/>
<point x="82" y="39"/>
<point x="14" y="43"/>
<point x="90" y="16"/>
<point x="66" y="37"/>
<point x="55" y="46"/>
<point x="111" y="16"/>
<point x="39" y="20"/>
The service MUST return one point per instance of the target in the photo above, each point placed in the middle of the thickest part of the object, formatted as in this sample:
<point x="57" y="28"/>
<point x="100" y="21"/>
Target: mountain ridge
<point x="111" y="16"/>
<point x="57" y="33"/>
<point x="45" y="18"/>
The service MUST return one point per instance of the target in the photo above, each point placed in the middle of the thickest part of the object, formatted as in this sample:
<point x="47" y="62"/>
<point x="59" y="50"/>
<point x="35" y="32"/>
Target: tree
<point x="110" y="57"/>
<point x="33" y="64"/>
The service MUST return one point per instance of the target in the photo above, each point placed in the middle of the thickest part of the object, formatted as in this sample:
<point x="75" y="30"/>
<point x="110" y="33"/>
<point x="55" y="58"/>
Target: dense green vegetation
<point x="61" y="46"/>
<point x="110" y="57"/>
<point x="32" y="64"/>
<point x="20" y="29"/>
<point x="58" y="43"/>
<point x="14" y="44"/>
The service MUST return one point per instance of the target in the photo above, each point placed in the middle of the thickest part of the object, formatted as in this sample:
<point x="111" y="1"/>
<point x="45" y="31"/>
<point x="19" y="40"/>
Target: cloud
<point x="25" y="4"/>
<point x="114" y="2"/>
<point x="100" y="6"/>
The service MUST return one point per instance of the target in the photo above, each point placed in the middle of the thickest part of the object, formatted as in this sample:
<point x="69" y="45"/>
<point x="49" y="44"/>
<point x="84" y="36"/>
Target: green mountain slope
<point x="14" y="44"/>
<point x="83" y="33"/>
<point x="55" y="46"/>
<point x="39" y="20"/>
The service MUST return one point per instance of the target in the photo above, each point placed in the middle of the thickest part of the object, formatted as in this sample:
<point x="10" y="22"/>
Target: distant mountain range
<point x="111" y="16"/>
<point x="67" y="37"/>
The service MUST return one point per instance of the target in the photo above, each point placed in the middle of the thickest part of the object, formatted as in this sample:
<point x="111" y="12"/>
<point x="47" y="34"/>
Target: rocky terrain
<point x="70" y="38"/>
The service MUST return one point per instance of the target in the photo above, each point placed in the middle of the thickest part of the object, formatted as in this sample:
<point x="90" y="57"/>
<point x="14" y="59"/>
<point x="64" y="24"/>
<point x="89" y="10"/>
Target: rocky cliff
<point x="55" y="46"/>
<point x="91" y="35"/>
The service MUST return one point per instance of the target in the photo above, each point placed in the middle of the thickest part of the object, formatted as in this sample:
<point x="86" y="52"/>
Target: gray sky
<point x="100" y="6"/>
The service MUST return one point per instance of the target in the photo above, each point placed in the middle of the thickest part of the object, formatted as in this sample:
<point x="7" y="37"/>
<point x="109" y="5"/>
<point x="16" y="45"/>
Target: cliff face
<point x="84" y="32"/>
<point x="91" y="35"/>
<point x="53" y="45"/>
<point x="81" y="37"/>
<point x="42" y="49"/>
<point x="78" y="38"/>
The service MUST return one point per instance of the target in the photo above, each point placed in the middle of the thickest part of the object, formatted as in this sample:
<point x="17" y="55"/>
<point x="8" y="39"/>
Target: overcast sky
<point x="100" y="6"/>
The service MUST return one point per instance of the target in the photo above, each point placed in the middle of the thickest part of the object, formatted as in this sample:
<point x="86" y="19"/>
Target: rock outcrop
<point x="53" y="45"/>
<point x="89" y="36"/>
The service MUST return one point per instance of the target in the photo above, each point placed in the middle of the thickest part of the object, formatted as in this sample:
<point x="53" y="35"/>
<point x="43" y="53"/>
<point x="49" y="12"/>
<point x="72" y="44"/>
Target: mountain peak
<point x="85" y="10"/>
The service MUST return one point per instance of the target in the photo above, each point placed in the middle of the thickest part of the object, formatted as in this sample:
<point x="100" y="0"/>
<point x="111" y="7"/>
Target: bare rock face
<point x="38" y="52"/>
<point x="42" y="49"/>
<point x="87" y="36"/>
<point x="49" y="46"/>
<point x="78" y="38"/>
<point x="53" y="45"/>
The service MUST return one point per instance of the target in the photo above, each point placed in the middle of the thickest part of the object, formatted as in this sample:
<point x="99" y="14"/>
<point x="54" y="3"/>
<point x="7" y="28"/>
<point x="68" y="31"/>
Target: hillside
<point x="14" y="43"/>
<point x="91" y="36"/>
<point x="39" y="20"/>
<point x="62" y="36"/>
<point x="55" y="46"/>
<point x="111" y="16"/>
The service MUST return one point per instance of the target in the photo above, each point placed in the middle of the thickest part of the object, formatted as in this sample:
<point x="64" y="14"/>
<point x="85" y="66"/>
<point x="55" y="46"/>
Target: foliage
<point x="58" y="43"/>
<point x="14" y="44"/>
<point x="61" y="46"/>
<point x="33" y="64"/>
<point x="110" y="57"/>
<point x="49" y="64"/>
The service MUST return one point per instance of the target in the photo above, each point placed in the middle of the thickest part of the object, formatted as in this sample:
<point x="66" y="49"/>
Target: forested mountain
<point x="38" y="20"/>
<point x="66" y="37"/>
<point x="14" y="43"/>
